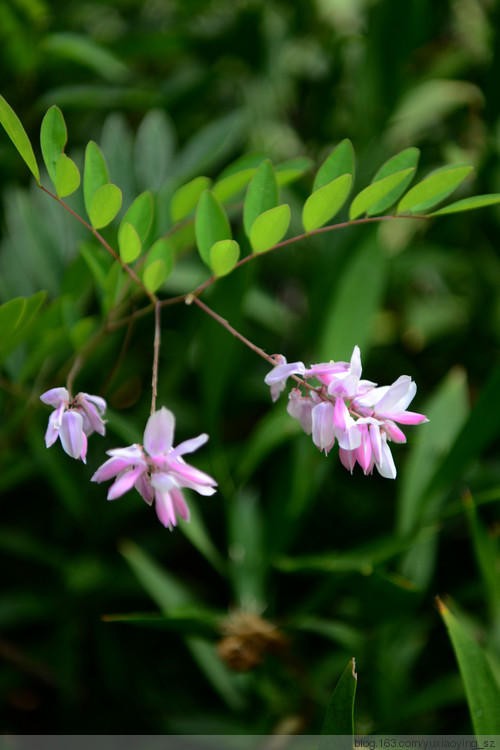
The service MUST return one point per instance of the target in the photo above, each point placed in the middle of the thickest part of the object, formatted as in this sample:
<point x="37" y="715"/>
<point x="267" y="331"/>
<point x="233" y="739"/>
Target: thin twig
<point x="156" y="356"/>
<point x="105" y="244"/>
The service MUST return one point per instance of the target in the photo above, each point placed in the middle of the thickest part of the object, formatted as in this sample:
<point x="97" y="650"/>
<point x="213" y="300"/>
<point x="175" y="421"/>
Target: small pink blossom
<point x="355" y="413"/>
<point x="278" y="376"/>
<point x="73" y="420"/>
<point x="157" y="470"/>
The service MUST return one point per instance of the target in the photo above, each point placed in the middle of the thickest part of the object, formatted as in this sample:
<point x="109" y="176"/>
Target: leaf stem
<point x="156" y="356"/>
<point x="190" y="298"/>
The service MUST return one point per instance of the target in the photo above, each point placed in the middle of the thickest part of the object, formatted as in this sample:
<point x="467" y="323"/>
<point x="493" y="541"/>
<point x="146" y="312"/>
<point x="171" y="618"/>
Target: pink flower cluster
<point x="73" y="420"/>
<point x="157" y="470"/>
<point x="360" y="416"/>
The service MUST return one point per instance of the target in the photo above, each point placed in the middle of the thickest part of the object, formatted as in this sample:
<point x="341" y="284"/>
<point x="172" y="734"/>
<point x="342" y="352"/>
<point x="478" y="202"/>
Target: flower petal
<point x="323" y="429"/>
<point x="180" y="505"/>
<point x="125" y="481"/>
<point x="188" y="446"/>
<point x="53" y="428"/>
<point x="165" y="509"/>
<point x="55" y="396"/>
<point x="71" y="433"/>
<point x="159" y="432"/>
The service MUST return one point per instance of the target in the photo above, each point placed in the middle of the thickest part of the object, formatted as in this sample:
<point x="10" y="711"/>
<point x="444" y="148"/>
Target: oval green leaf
<point x="67" y="177"/>
<point x="406" y="159"/>
<point x="224" y="256"/>
<point x="53" y="138"/>
<point x="211" y="224"/>
<point x="129" y="243"/>
<point x="433" y="189"/>
<point x="262" y="194"/>
<point x="340" y="161"/>
<point x="269" y="228"/>
<point x="105" y="204"/>
<point x="376" y="191"/>
<point x="95" y="173"/>
<point x="481" y="688"/>
<point x="468" y="204"/>
<point x="161" y="250"/>
<point x="231" y="185"/>
<point x="17" y="134"/>
<point x="324" y="203"/>
<point x="140" y="215"/>
<point x="184" y="199"/>
<point x="154" y="275"/>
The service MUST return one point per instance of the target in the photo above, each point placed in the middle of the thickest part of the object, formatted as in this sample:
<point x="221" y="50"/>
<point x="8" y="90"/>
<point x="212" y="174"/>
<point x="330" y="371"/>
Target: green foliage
<point x="334" y="564"/>
<point x="339" y="717"/>
<point x="378" y="191"/>
<point x="17" y="134"/>
<point x="224" y="255"/>
<point x="483" y="691"/>
<point x="269" y="228"/>
<point x="211" y="224"/>
<point x="325" y="202"/>
<point x="262" y="195"/>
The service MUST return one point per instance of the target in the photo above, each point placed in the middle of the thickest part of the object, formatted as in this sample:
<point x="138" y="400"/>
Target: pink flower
<point x="73" y="420"/>
<point x="356" y="413"/>
<point x="157" y="470"/>
<point x="278" y="376"/>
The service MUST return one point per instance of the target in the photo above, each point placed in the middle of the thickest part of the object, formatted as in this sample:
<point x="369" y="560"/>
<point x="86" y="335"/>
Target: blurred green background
<point x="344" y="566"/>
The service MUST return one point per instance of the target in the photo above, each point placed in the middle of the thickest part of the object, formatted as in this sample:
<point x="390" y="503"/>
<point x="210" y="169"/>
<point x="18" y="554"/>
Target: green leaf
<point x="479" y="430"/>
<point x="350" y="314"/>
<point x="292" y="169"/>
<point x="269" y="228"/>
<point x="15" y="318"/>
<point x="10" y="315"/>
<point x="129" y="243"/>
<point x="437" y="186"/>
<point x="105" y="204"/>
<point x="249" y="562"/>
<point x="140" y="215"/>
<point x="83" y="50"/>
<point x="95" y="173"/>
<point x="211" y="224"/>
<point x="224" y="255"/>
<point x="262" y="194"/>
<point x="362" y="560"/>
<point x="377" y="191"/>
<point x="340" y="162"/>
<point x="53" y="138"/>
<point x="339" y="719"/>
<point x="153" y="149"/>
<point x="481" y="688"/>
<point x="17" y="134"/>
<point x="404" y="160"/>
<point x="186" y="197"/>
<point x="154" y="275"/>
<point x="467" y="204"/>
<point x="447" y="411"/>
<point x="487" y="558"/>
<point x="67" y="178"/>
<point x="161" y="250"/>
<point x="228" y="186"/>
<point x="325" y="202"/>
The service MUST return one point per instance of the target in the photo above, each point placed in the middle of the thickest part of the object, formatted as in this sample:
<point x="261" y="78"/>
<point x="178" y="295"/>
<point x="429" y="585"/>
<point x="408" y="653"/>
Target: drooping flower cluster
<point x="73" y="420"/>
<point x="360" y="416"/>
<point x="157" y="470"/>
